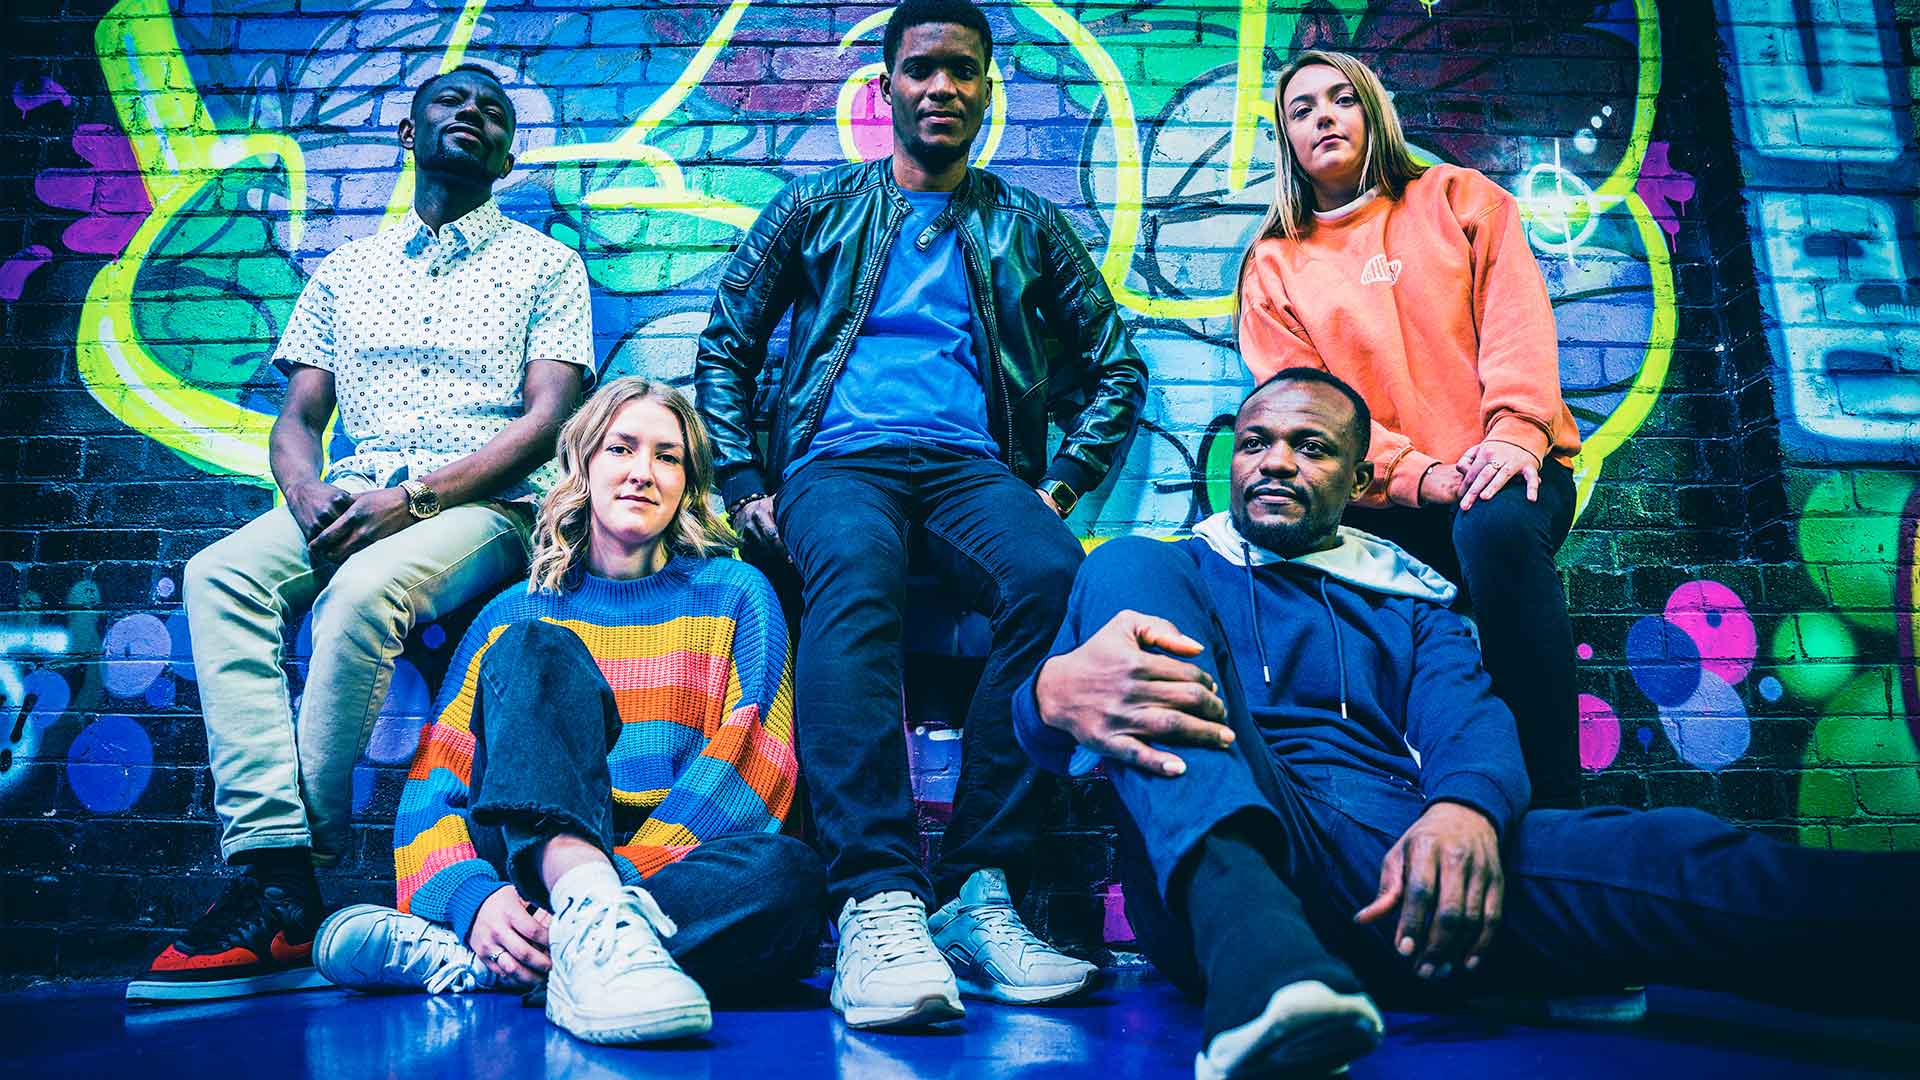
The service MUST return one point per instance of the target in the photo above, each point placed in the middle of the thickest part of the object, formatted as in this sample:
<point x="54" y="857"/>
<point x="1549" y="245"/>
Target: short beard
<point x="1287" y="541"/>
<point x="456" y="165"/>
<point x="934" y="158"/>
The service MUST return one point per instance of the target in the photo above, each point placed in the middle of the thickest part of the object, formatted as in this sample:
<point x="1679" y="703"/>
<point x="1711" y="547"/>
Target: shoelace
<point x="892" y="933"/>
<point x="603" y="933"/>
<point x="1001" y="923"/>
<point x="449" y="966"/>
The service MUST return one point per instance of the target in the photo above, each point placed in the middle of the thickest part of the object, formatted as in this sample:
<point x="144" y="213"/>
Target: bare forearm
<point x="293" y="452"/>
<point x="523" y="446"/>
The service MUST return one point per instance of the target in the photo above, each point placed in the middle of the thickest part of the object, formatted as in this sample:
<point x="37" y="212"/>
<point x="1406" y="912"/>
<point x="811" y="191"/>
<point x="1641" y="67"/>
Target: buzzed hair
<point x="912" y="13"/>
<point x="1362" y="426"/>
<point x="484" y="72"/>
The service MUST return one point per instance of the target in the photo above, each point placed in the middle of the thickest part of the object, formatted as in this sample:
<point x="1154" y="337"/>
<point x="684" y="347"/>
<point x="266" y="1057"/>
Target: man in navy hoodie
<point x="1346" y="810"/>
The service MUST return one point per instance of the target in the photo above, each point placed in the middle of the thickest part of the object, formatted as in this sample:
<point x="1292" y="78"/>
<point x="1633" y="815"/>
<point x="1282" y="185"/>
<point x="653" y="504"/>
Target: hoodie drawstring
<point x="1339" y="645"/>
<point x="1260" y="644"/>
<point x="1253" y="605"/>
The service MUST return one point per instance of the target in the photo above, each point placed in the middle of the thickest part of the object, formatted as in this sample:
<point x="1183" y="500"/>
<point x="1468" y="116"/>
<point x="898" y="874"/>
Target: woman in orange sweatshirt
<point x="1416" y="285"/>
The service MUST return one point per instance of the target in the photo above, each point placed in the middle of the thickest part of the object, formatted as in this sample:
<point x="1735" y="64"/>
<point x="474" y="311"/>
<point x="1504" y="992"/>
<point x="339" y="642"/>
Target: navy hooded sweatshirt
<point x="1354" y="669"/>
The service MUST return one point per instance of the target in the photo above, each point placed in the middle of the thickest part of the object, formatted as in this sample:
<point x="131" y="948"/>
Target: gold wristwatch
<point x="422" y="501"/>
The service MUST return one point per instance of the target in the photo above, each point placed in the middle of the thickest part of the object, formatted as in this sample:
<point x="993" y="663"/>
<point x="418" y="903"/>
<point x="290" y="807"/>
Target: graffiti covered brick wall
<point x="1721" y="199"/>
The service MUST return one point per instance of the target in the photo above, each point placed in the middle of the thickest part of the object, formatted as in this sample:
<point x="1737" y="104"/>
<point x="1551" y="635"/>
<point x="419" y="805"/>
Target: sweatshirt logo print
<point x="1379" y="271"/>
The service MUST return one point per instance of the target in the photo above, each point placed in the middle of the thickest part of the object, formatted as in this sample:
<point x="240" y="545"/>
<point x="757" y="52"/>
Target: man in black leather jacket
<point x="941" y="316"/>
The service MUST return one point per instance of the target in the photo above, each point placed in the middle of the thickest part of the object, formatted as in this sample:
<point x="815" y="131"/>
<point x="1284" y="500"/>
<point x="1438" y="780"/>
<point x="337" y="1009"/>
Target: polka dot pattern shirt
<point x="428" y="338"/>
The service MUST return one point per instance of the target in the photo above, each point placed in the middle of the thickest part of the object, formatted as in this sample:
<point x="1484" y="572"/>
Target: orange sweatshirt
<point x="1434" y="309"/>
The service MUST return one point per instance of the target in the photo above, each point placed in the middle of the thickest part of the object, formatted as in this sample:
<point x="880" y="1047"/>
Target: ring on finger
<point x="496" y="956"/>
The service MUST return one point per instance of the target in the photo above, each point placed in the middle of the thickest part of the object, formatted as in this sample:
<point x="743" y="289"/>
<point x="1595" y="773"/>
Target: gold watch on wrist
<point x="1062" y="495"/>
<point x="422" y="501"/>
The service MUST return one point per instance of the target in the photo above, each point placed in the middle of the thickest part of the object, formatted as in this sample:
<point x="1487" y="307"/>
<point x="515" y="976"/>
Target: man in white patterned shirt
<point x="453" y="345"/>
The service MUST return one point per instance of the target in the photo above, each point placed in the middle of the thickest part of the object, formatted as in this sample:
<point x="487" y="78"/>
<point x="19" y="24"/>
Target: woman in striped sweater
<point x="614" y="745"/>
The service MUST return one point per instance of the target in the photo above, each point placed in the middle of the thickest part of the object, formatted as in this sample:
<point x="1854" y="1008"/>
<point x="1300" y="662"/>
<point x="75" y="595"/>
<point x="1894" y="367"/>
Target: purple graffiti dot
<point x="1599" y="733"/>
<point x="1664" y="660"/>
<point x="161" y="694"/>
<point x="396" y="733"/>
<point x="1645" y="735"/>
<point x="1716" y="619"/>
<point x="1770" y="688"/>
<point x="47" y="695"/>
<point x="1115" y="928"/>
<point x="182" y="638"/>
<point x="133" y="654"/>
<point x="433" y="636"/>
<point x="1710" y="729"/>
<point x="109" y="763"/>
<point x="1584" y="651"/>
<point x="163" y="589"/>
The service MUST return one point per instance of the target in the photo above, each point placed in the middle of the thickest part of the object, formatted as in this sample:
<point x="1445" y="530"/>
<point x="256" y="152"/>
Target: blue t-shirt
<point x="913" y="375"/>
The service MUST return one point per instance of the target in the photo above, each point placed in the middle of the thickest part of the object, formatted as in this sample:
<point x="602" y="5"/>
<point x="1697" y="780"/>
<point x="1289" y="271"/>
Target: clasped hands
<point x="1126" y="685"/>
<point x="338" y="523"/>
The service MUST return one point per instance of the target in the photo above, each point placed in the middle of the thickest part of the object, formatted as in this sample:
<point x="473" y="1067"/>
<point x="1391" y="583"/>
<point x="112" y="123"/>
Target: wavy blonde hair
<point x="561" y="529"/>
<point x="1389" y="164"/>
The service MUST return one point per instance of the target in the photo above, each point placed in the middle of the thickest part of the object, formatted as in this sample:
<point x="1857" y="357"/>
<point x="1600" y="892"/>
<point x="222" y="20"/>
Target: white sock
<point x="596" y="879"/>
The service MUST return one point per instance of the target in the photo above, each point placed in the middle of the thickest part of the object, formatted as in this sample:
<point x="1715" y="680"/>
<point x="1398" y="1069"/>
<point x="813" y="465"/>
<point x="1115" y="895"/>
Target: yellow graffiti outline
<point x="1626" y="418"/>
<point x="179" y="152"/>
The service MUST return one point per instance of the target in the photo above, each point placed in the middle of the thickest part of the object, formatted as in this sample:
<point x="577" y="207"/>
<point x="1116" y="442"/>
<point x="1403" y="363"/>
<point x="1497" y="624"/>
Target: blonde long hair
<point x="561" y="529"/>
<point x="1389" y="164"/>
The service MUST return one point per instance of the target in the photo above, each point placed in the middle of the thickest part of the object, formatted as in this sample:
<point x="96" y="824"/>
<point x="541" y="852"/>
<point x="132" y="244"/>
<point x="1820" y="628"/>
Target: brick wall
<point x="1721" y="197"/>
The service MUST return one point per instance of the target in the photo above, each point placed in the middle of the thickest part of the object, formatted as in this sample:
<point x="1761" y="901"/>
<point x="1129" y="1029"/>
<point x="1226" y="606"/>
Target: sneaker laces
<point x="891" y="933"/>
<point x="423" y="949"/>
<point x="1000" y="923"/>
<point x="602" y="936"/>
<point x="243" y="912"/>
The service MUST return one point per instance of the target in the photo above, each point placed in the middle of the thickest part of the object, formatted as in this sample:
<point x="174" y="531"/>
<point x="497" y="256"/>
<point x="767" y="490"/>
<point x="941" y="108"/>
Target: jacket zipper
<point x="865" y="298"/>
<point x="984" y="289"/>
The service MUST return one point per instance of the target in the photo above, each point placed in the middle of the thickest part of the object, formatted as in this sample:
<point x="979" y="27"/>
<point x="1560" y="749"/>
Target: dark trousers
<point x="1595" y="899"/>
<point x="748" y="907"/>
<point x="845" y="522"/>
<point x="1500" y="553"/>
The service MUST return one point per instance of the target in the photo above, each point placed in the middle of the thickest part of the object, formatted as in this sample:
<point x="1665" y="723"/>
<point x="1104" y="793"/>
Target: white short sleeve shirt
<point x="428" y="338"/>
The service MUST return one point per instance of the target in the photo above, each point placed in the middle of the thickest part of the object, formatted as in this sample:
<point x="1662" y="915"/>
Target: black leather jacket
<point x="1056" y="342"/>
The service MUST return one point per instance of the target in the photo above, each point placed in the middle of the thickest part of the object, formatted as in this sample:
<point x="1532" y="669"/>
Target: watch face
<point x="425" y="503"/>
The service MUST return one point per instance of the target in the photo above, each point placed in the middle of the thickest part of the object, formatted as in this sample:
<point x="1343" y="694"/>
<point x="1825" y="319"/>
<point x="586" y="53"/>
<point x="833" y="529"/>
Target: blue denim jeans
<point x="845" y="522"/>
<point x="748" y="907"/>
<point x="1595" y="899"/>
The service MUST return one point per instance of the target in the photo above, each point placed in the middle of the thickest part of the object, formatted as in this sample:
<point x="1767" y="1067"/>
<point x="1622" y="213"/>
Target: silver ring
<point x="498" y="955"/>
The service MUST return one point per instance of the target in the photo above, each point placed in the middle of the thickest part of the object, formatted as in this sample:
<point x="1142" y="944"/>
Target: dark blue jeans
<point x="1501" y="554"/>
<point x="1595" y="899"/>
<point x="845" y="522"/>
<point x="748" y="907"/>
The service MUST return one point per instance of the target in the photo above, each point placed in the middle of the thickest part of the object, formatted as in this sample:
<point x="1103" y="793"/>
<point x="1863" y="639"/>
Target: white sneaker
<point x="1626" y="1006"/>
<point x="369" y="947"/>
<point x="887" y="972"/>
<point x="993" y="953"/>
<point x="612" y="981"/>
<point x="1307" y="1028"/>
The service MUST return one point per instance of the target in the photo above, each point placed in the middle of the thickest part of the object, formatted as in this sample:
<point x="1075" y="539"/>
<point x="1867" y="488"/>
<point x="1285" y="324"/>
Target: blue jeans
<point x="748" y="906"/>
<point x="845" y="522"/>
<point x="1595" y="899"/>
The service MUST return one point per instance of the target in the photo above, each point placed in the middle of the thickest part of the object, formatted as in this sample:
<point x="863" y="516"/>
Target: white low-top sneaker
<point x="888" y="972"/>
<point x="1308" y="1028"/>
<point x="369" y="947"/>
<point x="612" y="981"/>
<point x="993" y="953"/>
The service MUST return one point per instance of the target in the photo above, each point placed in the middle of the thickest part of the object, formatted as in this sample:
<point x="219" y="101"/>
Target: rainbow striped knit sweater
<point x="696" y="654"/>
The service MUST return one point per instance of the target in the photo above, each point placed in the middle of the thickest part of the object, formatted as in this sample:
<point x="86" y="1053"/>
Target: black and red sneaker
<point x="256" y="939"/>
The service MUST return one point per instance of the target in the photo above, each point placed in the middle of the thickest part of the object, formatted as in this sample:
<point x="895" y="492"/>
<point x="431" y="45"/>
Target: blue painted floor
<point x="1136" y="1027"/>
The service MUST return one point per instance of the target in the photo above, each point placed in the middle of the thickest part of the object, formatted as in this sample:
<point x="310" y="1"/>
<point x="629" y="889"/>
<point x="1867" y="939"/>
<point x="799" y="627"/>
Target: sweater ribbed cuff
<point x="1521" y="432"/>
<point x="464" y="905"/>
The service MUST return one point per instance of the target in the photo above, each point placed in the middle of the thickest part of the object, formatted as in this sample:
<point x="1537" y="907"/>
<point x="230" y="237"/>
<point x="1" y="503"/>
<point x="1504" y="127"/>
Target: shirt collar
<point x="470" y="230"/>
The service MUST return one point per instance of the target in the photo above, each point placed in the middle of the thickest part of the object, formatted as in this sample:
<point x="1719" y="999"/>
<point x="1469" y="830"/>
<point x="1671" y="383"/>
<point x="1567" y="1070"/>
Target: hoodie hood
<point x="1361" y="559"/>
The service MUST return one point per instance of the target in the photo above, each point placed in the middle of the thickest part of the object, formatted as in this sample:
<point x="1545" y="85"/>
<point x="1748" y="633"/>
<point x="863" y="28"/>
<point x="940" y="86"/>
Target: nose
<point x="1278" y="461"/>
<point x="941" y="85"/>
